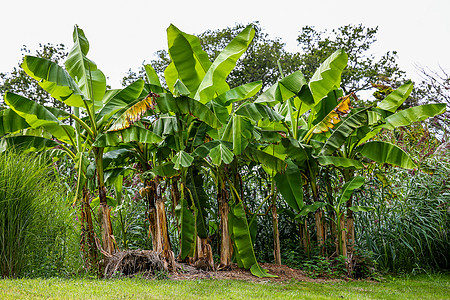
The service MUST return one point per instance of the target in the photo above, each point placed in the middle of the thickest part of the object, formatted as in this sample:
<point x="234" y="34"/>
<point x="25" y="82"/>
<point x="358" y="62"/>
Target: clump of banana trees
<point x="173" y="135"/>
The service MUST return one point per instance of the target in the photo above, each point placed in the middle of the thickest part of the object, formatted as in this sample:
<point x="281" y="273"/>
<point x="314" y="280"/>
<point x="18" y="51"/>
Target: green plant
<point x="36" y="224"/>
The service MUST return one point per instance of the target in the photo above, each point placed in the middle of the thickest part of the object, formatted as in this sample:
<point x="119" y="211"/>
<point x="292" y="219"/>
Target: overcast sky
<point x="122" y="34"/>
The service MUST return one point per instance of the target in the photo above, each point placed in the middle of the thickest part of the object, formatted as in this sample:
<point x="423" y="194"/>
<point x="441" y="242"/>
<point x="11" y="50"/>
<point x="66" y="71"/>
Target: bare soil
<point x="150" y="264"/>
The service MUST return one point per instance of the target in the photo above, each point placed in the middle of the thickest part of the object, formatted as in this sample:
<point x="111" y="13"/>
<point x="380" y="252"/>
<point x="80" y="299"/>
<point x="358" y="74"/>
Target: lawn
<point x="417" y="287"/>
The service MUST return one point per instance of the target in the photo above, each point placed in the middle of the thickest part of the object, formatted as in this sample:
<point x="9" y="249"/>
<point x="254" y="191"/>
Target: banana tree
<point x="82" y="86"/>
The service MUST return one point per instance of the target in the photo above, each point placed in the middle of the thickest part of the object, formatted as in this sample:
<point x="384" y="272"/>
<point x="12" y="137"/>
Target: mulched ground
<point x="150" y="264"/>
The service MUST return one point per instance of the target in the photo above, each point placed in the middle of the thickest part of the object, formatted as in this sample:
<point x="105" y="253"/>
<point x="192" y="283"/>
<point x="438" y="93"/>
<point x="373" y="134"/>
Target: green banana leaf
<point x="290" y="86"/>
<point x="214" y="82"/>
<point x="343" y="131"/>
<point x="384" y="152"/>
<point x="186" y="222"/>
<point x="220" y="154"/>
<point x="397" y="97"/>
<point x="348" y="188"/>
<point x="242" y="240"/>
<point x="131" y="134"/>
<point x="296" y="150"/>
<point x="11" y="122"/>
<point x="37" y="115"/>
<point x="256" y="112"/>
<point x="54" y="80"/>
<point x="27" y="143"/>
<point x="290" y="185"/>
<point x="239" y="132"/>
<point x="121" y="100"/>
<point x="339" y="162"/>
<point x="306" y="209"/>
<point x="220" y="111"/>
<point x="272" y="162"/>
<point x="189" y="60"/>
<point x="165" y="170"/>
<point x="239" y="93"/>
<point x="90" y="79"/>
<point x="414" y="114"/>
<point x="182" y="160"/>
<point x="194" y="183"/>
<point x="167" y="103"/>
<point x="165" y="125"/>
<point x="152" y="77"/>
<point x="328" y="76"/>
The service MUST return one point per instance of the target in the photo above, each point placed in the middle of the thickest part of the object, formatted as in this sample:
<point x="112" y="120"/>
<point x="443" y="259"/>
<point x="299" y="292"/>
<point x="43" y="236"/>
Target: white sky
<point x="122" y="34"/>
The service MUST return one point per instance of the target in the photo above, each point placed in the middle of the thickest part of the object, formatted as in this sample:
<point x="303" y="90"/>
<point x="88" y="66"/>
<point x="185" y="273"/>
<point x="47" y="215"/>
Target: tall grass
<point x="409" y="228"/>
<point x="35" y="222"/>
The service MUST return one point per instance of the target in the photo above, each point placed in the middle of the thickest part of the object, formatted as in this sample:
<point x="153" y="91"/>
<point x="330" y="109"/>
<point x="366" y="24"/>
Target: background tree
<point x="18" y="82"/>
<point x="363" y="68"/>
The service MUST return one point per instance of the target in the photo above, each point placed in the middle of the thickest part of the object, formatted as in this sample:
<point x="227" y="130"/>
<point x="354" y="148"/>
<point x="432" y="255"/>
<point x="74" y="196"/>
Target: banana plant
<point x="81" y="86"/>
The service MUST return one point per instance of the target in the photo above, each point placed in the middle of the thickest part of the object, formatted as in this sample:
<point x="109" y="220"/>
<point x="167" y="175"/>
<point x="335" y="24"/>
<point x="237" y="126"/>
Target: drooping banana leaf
<point x="239" y="132"/>
<point x="269" y="161"/>
<point x="186" y="222"/>
<point x="11" y="122"/>
<point x="343" y="131"/>
<point x="384" y="152"/>
<point x="184" y="105"/>
<point x="296" y="150"/>
<point x="182" y="160"/>
<point x="189" y="60"/>
<point x="132" y="114"/>
<point x="333" y="117"/>
<point x="194" y="183"/>
<point x="214" y="82"/>
<point x="397" y="97"/>
<point x="221" y="112"/>
<point x="90" y="79"/>
<point x="239" y="93"/>
<point x="290" y="185"/>
<point x="37" y="115"/>
<point x="256" y="112"/>
<point x="131" y="134"/>
<point x="121" y="100"/>
<point x="243" y="242"/>
<point x="221" y="153"/>
<point x="328" y="76"/>
<point x="340" y="162"/>
<point x="27" y="143"/>
<point x="414" y="114"/>
<point x="54" y="80"/>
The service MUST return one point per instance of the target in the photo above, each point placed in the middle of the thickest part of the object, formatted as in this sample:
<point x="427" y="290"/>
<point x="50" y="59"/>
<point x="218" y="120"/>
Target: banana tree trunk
<point x="203" y="255"/>
<point x="104" y="211"/>
<point x="87" y="243"/>
<point x="304" y="237"/>
<point x="225" y="242"/>
<point x="276" y="232"/>
<point x="158" y="222"/>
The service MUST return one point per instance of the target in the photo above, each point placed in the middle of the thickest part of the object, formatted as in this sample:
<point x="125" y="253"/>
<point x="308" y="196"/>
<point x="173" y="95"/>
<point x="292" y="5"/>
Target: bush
<point x="37" y="229"/>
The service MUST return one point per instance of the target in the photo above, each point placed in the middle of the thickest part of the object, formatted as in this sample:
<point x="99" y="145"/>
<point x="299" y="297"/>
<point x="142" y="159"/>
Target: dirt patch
<point x="150" y="264"/>
<point x="284" y="273"/>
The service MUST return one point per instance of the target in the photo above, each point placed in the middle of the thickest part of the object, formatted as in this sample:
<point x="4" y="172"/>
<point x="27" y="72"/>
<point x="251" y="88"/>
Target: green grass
<point x="418" y="287"/>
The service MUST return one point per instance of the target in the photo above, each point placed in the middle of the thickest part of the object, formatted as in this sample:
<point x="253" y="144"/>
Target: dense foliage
<point x="200" y="163"/>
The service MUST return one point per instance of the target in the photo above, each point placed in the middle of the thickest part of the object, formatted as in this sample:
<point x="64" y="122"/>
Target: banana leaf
<point x="184" y="105"/>
<point x="290" y="185"/>
<point x="243" y="242"/>
<point x="54" y="80"/>
<point x="239" y="93"/>
<point x="186" y="222"/>
<point x="414" y="114"/>
<point x="189" y="60"/>
<point x="328" y="76"/>
<point x="90" y="79"/>
<point x="384" y="152"/>
<point x="397" y="97"/>
<point x="11" y="122"/>
<point x="214" y="82"/>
